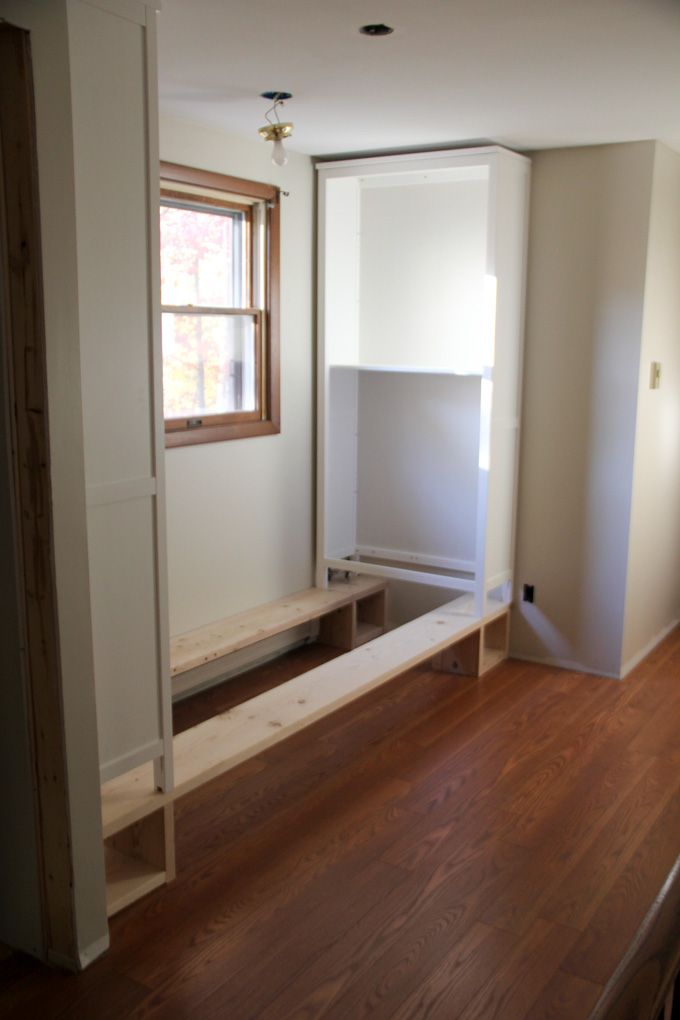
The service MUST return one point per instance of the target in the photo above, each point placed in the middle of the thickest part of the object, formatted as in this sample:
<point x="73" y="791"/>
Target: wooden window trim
<point x="267" y="420"/>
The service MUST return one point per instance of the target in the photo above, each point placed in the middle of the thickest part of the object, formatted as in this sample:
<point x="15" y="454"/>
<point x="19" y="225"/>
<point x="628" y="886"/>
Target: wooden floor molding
<point x="448" y="847"/>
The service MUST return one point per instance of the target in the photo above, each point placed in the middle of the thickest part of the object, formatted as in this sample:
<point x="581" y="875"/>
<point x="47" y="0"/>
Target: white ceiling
<point x="523" y="73"/>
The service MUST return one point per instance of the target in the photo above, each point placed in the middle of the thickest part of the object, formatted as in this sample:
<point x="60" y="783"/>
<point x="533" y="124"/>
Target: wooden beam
<point x="24" y="327"/>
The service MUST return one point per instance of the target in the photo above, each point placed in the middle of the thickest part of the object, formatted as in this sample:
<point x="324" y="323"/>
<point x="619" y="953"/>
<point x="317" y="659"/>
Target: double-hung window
<point x="219" y="302"/>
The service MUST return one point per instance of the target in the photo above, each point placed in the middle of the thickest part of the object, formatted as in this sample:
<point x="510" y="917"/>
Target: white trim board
<point x="568" y="664"/>
<point x="649" y="647"/>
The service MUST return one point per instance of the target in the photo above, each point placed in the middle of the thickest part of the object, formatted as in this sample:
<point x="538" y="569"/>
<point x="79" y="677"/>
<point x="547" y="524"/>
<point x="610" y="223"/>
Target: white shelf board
<point x="412" y="369"/>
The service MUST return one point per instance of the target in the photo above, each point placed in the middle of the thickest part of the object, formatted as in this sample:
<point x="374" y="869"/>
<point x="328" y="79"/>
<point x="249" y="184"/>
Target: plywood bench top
<point x="223" y="637"/>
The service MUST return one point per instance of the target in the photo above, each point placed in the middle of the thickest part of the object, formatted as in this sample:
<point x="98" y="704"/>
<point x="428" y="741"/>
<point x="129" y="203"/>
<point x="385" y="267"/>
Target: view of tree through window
<point x="209" y="350"/>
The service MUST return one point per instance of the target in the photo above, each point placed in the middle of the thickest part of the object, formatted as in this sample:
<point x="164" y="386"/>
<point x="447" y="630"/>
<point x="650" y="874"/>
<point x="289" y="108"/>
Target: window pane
<point x="209" y="364"/>
<point x="202" y="257"/>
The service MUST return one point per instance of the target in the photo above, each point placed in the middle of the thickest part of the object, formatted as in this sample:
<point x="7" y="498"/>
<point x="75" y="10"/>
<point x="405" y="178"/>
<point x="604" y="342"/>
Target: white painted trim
<point x="126" y="762"/>
<point x="93" y="951"/>
<point x="572" y="667"/>
<point x="649" y="647"/>
<point x="130" y="10"/>
<point x="163" y="766"/>
<point x="471" y="155"/>
<point x="409" y="370"/>
<point x="321" y="574"/>
<point x="401" y="574"/>
<point x="125" y="491"/>
<point x="404" y="556"/>
<point x="498" y="579"/>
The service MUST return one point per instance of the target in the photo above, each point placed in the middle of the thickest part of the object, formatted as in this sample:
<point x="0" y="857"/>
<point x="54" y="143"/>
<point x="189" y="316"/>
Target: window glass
<point x="209" y="364"/>
<point x="203" y="257"/>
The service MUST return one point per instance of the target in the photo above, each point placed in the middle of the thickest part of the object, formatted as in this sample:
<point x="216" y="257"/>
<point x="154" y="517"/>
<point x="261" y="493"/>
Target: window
<point x="219" y="303"/>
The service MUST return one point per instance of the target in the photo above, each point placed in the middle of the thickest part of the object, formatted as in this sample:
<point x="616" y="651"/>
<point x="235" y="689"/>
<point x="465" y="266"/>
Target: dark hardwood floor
<point x="445" y="848"/>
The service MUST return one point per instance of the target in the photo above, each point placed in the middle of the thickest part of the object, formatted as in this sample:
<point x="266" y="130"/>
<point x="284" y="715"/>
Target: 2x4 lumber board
<point x="221" y="743"/>
<point x="129" y="798"/>
<point x="244" y="629"/>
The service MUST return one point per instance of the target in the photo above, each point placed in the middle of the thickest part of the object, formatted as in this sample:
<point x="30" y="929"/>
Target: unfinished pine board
<point x="461" y="658"/>
<point x="494" y="643"/>
<point x="221" y="743"/>
<point x="235" y="632"/>
<point x="128" y="879"/>
<point x="370" y="618"/>
<point x="140" y="858"/>
<point x="130" y="797"/>
<point x="338" y="628"/>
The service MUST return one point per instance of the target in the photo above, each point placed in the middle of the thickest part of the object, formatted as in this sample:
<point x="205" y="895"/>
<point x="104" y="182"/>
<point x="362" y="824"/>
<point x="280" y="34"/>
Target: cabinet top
<point x="432" y="157"/>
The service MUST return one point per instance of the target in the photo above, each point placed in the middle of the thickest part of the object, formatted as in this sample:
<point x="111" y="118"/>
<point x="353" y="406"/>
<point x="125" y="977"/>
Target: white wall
<point x="653" y="593"/>
<point x="419" y="301"/>
<point x="586" y="278"/>
<point x="417" y="465"/>
<point x="47" y="22"/>
<point x="240" y="529"/>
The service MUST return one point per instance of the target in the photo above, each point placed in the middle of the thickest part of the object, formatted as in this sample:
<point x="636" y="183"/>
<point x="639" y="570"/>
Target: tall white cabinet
<point x="421" y="280"/>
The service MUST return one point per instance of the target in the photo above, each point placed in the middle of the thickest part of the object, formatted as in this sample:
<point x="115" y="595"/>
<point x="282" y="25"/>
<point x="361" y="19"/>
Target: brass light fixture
<point x="276" y="130"/>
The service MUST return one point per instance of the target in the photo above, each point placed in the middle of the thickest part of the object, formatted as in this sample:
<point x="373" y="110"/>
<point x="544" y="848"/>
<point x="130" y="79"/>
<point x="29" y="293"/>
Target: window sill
<point x="220" y="433"/>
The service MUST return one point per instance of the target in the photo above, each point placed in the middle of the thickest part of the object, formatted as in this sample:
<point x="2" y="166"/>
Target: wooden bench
<point x="350" y="612"/>
<point x="452" y="637"/>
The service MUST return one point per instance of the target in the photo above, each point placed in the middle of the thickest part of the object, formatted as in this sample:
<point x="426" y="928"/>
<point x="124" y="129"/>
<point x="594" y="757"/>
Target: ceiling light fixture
<point x="276" y="130"/>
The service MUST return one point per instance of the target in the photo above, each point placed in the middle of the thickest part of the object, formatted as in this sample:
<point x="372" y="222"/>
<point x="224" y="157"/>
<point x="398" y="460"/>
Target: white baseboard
<point x="649" y="647"/>
<point x="83" y="959"/>
<point x="573" y="667"/>
<point x="93" y="952"/>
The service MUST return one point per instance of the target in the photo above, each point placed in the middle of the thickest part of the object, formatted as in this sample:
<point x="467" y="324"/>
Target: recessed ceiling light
<point x="376" y="30"/>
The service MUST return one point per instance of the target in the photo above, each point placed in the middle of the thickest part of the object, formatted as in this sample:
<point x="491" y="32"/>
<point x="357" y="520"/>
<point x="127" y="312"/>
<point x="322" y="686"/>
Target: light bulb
<point x="279" y="154"/>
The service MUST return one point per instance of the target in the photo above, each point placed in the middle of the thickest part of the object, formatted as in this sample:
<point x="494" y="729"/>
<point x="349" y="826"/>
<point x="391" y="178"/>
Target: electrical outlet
<point x="527" y="593"/>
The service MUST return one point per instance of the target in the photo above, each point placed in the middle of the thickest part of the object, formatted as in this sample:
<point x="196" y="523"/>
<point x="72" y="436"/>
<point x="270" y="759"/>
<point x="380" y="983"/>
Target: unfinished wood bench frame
<point x="350" y="612"/>
<point x="138" y="821"/>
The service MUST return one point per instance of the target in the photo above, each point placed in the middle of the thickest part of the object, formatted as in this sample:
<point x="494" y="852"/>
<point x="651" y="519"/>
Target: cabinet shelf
<point x="409" y="369"/>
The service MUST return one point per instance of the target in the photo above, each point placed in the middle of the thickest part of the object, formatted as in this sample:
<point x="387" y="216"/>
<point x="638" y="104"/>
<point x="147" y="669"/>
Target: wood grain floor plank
<point x="280" y="948"/>
<point x="432" y="908"/>
<point x="580" y="893"/>
<point x="565" y="997"/>
<point x="522" y="900"/>
<point x="615" y="922"/>
<point x="429" y="851"/>
<point x="523" y="974"/>
<point x="448" y="988"/>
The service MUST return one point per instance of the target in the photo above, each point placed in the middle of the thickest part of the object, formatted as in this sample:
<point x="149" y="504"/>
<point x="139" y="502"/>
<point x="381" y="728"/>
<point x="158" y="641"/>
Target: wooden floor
<point x="445" y="848"/>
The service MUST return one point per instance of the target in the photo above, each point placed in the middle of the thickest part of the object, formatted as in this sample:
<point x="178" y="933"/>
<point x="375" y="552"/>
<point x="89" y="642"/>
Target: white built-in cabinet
<point x="421" y="280"/>
<point x="115" y="127"/>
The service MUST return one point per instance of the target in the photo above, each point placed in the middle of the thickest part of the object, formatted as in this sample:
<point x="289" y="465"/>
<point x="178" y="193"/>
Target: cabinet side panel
<point x="341" y="463"/>
<point x="109" y="71"/>
<point x="120" y="535"/>
<point x="509" y="264"/>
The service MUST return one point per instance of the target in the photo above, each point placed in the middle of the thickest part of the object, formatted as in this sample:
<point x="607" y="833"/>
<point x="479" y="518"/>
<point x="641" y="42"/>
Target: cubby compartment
<point x="462" y="658"/>
<point x="495" y="638"/>
<point x="139" y="858"/>
<point x="370" y="618"/>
